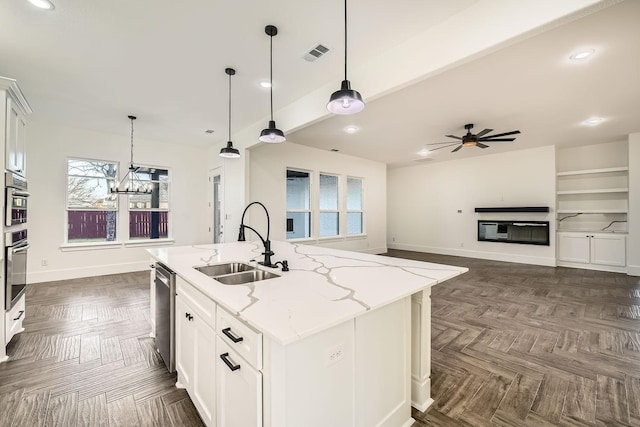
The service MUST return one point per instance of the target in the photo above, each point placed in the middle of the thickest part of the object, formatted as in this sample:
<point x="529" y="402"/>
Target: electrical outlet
<point x="45" y="262"/>
<point x="462" y="245"/>
<point x="393" y="239"/>
<point x="335" y="354"/>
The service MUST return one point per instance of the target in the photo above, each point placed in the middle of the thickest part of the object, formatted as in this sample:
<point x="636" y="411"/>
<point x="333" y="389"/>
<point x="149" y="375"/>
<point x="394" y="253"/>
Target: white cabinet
<point x="14" y="318"/>
<point x="605" y="251"/>
<point x="195" y="355"/>
<point x="16" y="131"/>
<point x="238" y="390"/>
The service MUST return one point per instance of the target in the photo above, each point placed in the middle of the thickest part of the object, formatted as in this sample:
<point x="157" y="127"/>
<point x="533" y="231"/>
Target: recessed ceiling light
<point x="42" y="4"/>
<point x="209" y="131"/>
<point x="265" y="84"/>
<point x="335" y="150"/>
<point x="593" y="121"/>
<point x="582" y="54"/>
<point x="351" y="129"/>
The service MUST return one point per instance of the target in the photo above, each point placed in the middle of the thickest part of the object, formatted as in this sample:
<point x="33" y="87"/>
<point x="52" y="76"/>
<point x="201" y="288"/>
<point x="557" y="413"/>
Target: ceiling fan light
<point x="229" y="152"/>
<point x="42" y="4"/>
<point x="346" y="100"/>
<point x="272" y="135"/>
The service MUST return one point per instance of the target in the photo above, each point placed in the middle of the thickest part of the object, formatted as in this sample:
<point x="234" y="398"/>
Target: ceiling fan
<point x="477" y="140"/>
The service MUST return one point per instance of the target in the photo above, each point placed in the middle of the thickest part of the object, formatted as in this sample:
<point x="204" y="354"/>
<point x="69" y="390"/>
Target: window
<point x="329" y="214"/>
<point x="298" y="204"/>
<point x="149" y="213"/>
<point x="355" y="213"/>
<point x="91" y="212"/>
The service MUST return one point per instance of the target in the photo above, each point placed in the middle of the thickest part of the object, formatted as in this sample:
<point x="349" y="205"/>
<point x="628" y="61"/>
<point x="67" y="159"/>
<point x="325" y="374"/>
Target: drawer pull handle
<point x="227" y="332"/>
<point x="189" y="317"/>
<point x="20" y="313"/>
<point x="227" y="361"/>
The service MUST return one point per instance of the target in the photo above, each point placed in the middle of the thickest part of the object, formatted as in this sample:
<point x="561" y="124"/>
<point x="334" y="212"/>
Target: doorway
<point x="217" y="211"/>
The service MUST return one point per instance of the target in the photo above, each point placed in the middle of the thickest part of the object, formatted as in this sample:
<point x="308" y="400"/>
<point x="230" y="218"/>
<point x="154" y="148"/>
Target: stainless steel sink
<point x="235" y="273"/>
<point x="220" y="269"/>
<point x="245" y="277"/>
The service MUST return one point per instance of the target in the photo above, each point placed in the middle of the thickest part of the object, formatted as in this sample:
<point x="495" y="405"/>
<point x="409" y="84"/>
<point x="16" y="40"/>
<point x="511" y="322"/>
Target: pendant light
<point x="271" y="134"/>
<point x="131" y="183"/>
<point x="229" y="152"/>
<point x="345" y="100"/>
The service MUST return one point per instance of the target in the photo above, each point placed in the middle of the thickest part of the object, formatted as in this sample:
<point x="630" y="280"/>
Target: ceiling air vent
<point x="315" y="53"/>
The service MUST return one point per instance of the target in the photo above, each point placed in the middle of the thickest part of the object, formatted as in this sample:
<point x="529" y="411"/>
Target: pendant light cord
<point x="131" y="162"/>
<point x="271" y="72"/>
<point x="229" y="107"/>
<point x="345" y="39"/>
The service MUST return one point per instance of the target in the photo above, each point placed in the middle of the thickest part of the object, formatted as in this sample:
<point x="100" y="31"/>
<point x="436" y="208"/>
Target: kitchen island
<point x="341" y="339"/>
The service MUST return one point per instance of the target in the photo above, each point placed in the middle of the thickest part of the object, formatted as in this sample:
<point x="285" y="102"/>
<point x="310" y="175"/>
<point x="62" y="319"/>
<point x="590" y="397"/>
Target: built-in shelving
<point x="594" y="191"/>
<point x="593" y="211"/>
<point x="594" y="171"/>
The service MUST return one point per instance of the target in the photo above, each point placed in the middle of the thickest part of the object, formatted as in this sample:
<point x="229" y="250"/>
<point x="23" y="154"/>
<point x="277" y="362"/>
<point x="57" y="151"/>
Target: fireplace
<point x="522" y="232"/>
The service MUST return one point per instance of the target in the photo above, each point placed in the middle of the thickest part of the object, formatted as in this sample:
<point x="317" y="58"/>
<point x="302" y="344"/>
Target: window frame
<point x="134" y="241"/>
<point x="362" y="210"/>
<point x="67" y="209"/>
<point x="310" y="204"/>
<point x="338" y="209"/>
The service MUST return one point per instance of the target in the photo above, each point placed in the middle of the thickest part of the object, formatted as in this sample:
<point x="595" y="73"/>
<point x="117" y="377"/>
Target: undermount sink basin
<point x="220" y="269"/>
<point x="245" y="277"/>
<point x="235" y="273"/>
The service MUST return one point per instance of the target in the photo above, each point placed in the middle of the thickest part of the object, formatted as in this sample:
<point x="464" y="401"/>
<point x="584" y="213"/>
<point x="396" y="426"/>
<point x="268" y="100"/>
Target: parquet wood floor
<point x="512" y="345"/>
<point x="522" y="345"/>
<point x="86" y="359"/>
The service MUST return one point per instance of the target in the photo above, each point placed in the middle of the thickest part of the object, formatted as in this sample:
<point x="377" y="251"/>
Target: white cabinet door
<point x="238" y="391"/>
<point x="203" y="390"/>
<point x="15" y="139"/>
<point x="573" y="247"/>
<point x="608" y="249"/>
<point x="185" y="343"/>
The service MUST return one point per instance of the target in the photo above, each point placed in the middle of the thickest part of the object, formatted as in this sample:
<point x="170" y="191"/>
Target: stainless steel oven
<point x="16" y="246"/>
<point x="16" y="196"/>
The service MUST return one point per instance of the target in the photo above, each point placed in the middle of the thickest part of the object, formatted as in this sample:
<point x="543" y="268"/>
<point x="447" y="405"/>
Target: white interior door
<point x="216" y="206"/>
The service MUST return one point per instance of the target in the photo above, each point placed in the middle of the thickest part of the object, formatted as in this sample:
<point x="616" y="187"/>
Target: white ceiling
<point x="90" y="64"/>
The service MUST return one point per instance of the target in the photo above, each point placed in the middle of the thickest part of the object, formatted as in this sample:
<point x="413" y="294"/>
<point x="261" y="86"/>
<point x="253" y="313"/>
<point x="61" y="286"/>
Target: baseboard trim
<point x="86" y="271"/>
<point x="610" y="268"/>
<point x="493" y="256"/>
<point x="633" y="270"/>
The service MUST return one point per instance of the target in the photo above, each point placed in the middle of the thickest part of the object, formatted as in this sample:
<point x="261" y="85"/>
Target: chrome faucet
<point x="266" y="242"/>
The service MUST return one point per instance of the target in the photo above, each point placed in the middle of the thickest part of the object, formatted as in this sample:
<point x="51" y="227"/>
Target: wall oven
<point x="16" y="246"/>
<point x="16" y="196"/>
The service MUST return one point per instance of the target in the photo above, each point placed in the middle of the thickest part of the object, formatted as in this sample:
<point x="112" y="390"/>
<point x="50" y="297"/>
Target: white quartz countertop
<point x="323" y="288"/>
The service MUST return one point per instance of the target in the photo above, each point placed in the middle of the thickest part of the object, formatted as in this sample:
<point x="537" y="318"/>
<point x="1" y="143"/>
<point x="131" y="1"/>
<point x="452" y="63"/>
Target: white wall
<point x="48" y="148"/>
<point x="633" y="239"/>
<point x="268" y="182"/>
<point x="423" y="204"/>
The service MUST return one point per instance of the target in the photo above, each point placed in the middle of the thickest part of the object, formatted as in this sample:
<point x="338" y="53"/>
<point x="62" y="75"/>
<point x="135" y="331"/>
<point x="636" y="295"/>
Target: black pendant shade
<point x="271" y="134"/>
<point x="229" y="152"/>
<point x="345" y="100"/>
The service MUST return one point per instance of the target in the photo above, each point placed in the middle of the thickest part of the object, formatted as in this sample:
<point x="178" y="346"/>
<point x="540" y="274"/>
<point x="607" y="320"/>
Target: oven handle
<point x="21" y="248"/>
<point x="21" y="193"/>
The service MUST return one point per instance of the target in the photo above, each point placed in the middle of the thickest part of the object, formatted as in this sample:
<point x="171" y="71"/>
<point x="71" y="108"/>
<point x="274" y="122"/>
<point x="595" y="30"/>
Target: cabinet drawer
<point x="241" y="338"/>
<point x="14" y="318"/>
<point x="199" y="302"/>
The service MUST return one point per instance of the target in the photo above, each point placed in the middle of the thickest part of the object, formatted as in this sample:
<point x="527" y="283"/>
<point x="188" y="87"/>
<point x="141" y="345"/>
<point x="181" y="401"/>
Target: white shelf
<point x="592" y="211"/>
<point x="593" y="171"/>
<point x="594" y="191"/>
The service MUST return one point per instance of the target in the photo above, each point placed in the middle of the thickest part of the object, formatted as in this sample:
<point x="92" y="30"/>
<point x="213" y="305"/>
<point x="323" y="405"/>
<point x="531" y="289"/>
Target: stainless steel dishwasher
<point x="165" y="315"/>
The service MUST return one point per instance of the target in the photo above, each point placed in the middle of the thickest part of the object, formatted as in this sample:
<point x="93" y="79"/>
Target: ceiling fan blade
<point x="457" y="148"/>
<point x="445" y="146"/>
<point x="494" y="140"/>
<point x="437" y="143"/>
<point x="481" y="145"/>
<point x="513" y="132"/>
<point x="453" y="136"/>
<point x="484" y="132"/>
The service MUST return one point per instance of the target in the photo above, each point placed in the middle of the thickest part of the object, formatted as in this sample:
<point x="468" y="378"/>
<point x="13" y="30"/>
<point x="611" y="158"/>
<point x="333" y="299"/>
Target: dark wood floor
<point x="86" y="359"/>
<point x="512" y="345"/>
<point x="515" y="345"/>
